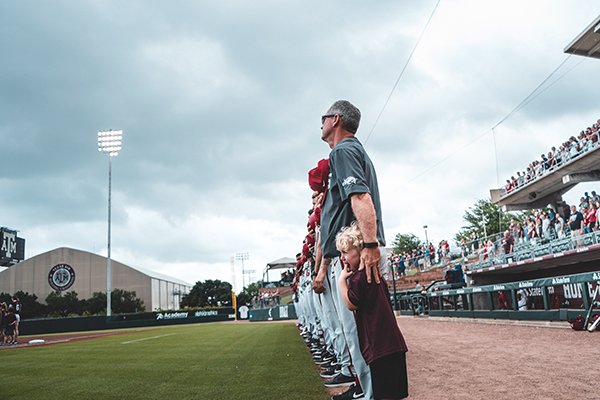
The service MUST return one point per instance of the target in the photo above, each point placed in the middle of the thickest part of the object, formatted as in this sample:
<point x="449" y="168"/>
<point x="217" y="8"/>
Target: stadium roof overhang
<point x="549" y="188"/>
<point x="285" y="262"/>
<point x="588" y="42"/>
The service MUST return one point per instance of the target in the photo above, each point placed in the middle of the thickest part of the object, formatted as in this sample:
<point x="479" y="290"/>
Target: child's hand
<point x="345" y="272"/>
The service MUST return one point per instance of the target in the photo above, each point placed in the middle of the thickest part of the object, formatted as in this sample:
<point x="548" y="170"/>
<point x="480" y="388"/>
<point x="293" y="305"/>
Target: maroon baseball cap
<point x="318" y="177"/>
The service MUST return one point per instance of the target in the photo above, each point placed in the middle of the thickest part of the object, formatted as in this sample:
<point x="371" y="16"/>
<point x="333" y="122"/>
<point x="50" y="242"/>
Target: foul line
<point x="148" y="338"/>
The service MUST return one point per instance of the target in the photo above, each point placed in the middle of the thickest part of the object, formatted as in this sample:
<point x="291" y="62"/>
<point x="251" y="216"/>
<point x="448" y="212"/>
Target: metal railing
<point x="529" y="250"/>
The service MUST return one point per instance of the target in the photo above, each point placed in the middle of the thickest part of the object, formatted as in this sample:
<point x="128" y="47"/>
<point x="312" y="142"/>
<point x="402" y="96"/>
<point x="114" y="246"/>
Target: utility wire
<point x="525" y="100"/>
<point x="528" y="99"/>
<point x="554" y="82"/>
<point x="402" y="72"/>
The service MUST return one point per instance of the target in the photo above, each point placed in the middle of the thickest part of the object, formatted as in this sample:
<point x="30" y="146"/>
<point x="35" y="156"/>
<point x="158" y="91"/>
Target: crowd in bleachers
<point x="543" y="226"/>
<point x="585" y="141"/>
<point x="420" y="259"/>
<point x="538" y="227"/>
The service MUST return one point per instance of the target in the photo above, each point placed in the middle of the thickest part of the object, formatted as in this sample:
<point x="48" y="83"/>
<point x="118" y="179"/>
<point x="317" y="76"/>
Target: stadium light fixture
<point x="109" y="142"/>
<point x="243" y="256"/>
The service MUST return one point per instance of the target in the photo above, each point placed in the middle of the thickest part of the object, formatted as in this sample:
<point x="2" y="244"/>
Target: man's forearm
<point x="325" y="263"/>
<point x="364" y="211"/>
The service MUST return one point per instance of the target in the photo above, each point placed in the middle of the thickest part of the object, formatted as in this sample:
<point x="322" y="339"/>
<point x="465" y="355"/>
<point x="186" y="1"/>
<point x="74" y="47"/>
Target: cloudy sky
<point x="220" y="104"/>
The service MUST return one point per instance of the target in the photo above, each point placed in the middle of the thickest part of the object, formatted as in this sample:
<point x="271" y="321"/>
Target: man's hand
<point x="370" y="259"/>
<point x="322" y="268"/>
<point x="317" y="283"/>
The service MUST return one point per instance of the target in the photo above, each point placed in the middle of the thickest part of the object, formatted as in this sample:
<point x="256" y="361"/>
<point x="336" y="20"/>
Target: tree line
<point x="216" y="293"/>
<point x="207" y="294"/>
<point x="59" y="304"/>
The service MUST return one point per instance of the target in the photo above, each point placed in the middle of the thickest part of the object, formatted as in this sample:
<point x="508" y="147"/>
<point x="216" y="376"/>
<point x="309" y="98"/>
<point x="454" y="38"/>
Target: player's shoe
<point x="353" y="392"/>
<point x="329" y="373"/>
<point x="339" y="380"/>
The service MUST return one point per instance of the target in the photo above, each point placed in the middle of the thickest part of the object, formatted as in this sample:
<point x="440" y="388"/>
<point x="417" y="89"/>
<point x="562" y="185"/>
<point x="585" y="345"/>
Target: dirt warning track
<point x="454" y="359"/>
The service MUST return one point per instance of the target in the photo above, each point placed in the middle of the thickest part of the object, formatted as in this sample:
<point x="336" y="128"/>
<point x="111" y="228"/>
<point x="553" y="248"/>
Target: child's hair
<point x="348" y="237"/>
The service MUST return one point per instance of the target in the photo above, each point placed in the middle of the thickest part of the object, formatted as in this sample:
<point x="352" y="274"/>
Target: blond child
<point x="381" y="342"/>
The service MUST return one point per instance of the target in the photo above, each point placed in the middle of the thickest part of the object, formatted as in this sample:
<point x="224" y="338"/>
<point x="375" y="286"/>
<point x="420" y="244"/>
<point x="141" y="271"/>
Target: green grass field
<point x="201" y="361"/>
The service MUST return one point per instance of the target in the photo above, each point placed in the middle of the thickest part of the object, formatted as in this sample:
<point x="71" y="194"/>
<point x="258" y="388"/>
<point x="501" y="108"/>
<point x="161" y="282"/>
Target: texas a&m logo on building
<point x="61" y="277"/>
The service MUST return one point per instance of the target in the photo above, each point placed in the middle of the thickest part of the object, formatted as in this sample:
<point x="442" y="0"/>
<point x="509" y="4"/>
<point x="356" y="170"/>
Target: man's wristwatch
<point x="370" y="245"/>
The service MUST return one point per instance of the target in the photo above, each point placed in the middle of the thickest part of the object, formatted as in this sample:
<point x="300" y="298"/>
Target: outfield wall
<point x="274" y="313"/>
<point x="78" y="324"/>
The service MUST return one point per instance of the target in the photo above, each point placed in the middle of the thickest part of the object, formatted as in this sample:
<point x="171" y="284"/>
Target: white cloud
<point x="220" y="106"/>
<point x="194" y="72"/>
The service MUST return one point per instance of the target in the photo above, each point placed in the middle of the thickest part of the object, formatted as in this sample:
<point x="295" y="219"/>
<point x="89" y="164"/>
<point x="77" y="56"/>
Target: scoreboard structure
<point x="12" y="248"/>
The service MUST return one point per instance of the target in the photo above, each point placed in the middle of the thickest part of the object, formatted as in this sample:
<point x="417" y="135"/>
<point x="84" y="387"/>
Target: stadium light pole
<point x="109" y="142"/>
<point x="243" y="257"/>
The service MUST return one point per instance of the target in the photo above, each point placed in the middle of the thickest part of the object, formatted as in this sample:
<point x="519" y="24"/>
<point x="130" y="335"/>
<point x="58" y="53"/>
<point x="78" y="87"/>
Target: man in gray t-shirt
<point x="353" y="191"/>
<point x="353" y="195"/>
<point x="351" y="173"/>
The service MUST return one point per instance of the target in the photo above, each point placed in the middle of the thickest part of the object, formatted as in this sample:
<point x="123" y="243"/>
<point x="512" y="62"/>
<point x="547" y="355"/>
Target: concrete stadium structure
<point x="65" y="269"/>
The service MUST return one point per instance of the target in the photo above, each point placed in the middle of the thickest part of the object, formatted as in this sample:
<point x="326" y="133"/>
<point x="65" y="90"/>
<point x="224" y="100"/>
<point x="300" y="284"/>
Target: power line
<point x="401" y="73"/>
<point x="525" y="100"/>
<point x="528" y="99"/>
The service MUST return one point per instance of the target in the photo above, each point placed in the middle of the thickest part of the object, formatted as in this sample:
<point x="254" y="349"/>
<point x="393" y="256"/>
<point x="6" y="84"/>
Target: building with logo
<point x="65" y="269"/>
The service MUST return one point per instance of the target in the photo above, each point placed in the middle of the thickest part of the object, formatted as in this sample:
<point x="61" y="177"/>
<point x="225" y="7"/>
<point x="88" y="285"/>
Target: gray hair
<point x="349" y="114"/>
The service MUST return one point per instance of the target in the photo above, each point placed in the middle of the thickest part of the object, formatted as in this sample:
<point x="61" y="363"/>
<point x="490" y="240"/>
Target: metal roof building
<point x="65" y="269"/>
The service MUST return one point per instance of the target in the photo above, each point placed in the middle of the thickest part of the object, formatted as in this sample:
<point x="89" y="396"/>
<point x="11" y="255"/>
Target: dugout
<point x="558" y="298"/>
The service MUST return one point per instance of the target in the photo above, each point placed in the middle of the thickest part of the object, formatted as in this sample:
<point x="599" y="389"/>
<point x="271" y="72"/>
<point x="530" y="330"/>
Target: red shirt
<point x="591" y="216"/>
<point x="378" y="331"/>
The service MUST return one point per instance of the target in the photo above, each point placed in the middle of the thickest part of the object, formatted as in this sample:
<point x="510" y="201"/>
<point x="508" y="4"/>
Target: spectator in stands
<point x="402" y="265"/>
<point x="520" y="179"/>
<point x="508" y="243"/>
<point x="426" y="259"/>
<point x="583" y="203"/>
<point x="532" y="234"/>
<point x="559" y="226"/>
<point x="520" y="236"/>
<point x="463" y="248"/>
<point x="597" y="203"/>
<point x="431" y="253"/>
<point x="576" y="224"/>
<point x="474" y="242"/>
<point x="547" y="226"/>
<point x="490" y="250"/>
<point x="591" y="219"/>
